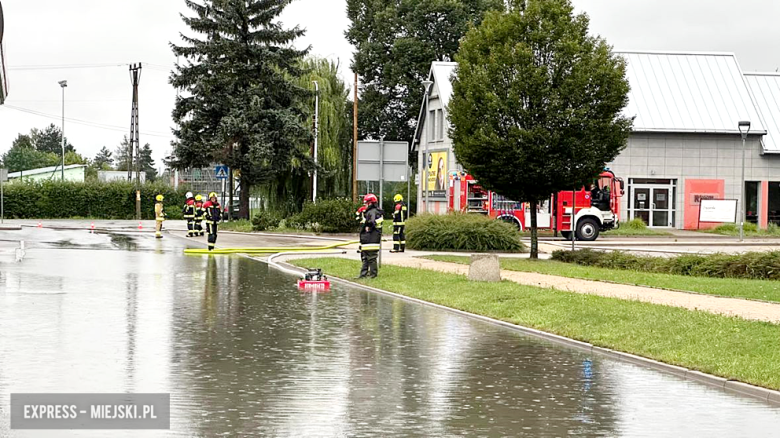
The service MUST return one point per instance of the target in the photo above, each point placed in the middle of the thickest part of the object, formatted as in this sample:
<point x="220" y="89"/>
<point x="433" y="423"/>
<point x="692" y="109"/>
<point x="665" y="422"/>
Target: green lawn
<point x="734" y="348"/>
<point x="625" y="231"/>
<point x="243" y="226"/>
<point x="766" y="290"/>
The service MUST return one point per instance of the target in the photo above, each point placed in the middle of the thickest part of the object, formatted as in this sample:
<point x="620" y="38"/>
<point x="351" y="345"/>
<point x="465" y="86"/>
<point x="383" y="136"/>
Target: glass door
<point x="641" y="204"/>
<point x="660" y="213"/>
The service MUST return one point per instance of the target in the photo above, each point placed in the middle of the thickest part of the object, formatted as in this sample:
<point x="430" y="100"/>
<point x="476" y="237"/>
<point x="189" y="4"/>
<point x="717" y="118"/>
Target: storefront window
<point x="751" y="201"/>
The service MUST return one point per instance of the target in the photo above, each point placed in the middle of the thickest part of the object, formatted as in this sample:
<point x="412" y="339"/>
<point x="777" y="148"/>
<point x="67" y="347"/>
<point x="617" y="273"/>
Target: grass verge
<point x="243" y="226"/>
<point x="748" y="351"/>
<point x="766" y="290"/>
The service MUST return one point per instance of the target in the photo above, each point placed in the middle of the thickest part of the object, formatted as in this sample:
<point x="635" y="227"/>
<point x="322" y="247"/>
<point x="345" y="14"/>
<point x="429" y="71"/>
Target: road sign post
<point x="3" y="179"/>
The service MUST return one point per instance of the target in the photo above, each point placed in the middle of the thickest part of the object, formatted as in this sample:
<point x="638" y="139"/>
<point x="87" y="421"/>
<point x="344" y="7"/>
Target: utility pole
<point x="63" y="85"/>
<point x="134" y="142"/>
<point x="316" y="136"/>
<point x="355" y="145"/>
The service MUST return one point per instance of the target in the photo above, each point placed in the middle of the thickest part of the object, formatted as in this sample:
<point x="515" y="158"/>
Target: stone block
<point x="485" y="267"/>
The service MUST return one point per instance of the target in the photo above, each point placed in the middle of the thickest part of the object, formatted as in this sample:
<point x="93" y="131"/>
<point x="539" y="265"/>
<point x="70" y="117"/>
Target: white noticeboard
<point x="718" y="210"/>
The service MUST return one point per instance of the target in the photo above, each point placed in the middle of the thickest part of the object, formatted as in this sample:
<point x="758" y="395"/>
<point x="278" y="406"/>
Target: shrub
<point x="752" y="265"/>
<point x="733" y="229"/>
<point x="62" y="200"/>
<point x="461" y="232"/>
<point x="266" y="220"/>
<point x="329" y="216"/>
<point x="635" y="224"/>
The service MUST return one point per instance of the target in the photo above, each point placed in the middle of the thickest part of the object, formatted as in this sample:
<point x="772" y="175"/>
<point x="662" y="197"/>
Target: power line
<point x="84" y="122"/>
<point x="63" y="66"/>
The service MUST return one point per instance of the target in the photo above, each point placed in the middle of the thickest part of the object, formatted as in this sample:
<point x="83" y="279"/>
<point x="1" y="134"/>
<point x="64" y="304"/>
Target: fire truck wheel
<point x="587" y="230"/>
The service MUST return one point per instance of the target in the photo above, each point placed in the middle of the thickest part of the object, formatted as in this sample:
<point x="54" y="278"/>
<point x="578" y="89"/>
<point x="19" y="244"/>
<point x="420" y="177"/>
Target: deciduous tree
<point x="537" y="102"/>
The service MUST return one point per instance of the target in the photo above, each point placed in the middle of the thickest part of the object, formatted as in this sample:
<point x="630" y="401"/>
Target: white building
<point x="686" y="144"/>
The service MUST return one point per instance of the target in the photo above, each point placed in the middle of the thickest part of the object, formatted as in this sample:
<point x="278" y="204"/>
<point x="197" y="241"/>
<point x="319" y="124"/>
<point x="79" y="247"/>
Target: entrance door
<point x="653" y="204"/>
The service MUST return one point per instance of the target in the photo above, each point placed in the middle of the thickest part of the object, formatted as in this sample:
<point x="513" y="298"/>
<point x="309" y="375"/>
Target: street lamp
<point x="424" y="182"/>
<point x="316" y="135"/>
<point x="744" y="129"/>
<point x="63" y="85"/>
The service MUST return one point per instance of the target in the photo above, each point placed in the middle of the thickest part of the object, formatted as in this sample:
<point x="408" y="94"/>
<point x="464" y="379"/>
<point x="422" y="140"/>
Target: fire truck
<point x="590" y="217"/>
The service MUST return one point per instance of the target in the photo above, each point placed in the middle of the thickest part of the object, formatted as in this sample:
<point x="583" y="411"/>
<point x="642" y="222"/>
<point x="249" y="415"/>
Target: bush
<point x="733" y="229"/>
<point x="752" y="265"/>
<point x="635" y="224"/>
<point x="62" y="200"/>
<point x="461" y="232"/>
<point x="329" y="216"/>
<point x="266" y="220"/>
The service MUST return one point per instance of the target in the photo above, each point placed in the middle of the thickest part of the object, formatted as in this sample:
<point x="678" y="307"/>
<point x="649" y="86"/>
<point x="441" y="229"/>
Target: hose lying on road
<point x="268" y="250"/>
<point x="271" y="261"/>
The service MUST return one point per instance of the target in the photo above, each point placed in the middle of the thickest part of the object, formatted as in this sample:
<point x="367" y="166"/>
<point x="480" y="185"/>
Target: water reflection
<point x="243" y="352"/>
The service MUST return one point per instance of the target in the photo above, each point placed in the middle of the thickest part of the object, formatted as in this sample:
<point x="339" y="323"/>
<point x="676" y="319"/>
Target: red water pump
<point x="314" y="280"/>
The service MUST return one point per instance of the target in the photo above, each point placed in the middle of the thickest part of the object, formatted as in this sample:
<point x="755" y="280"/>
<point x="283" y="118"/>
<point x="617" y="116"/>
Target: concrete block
<point x="708" y="153"/>
<point x="708" y="161"/>
<point x="639" y="171"/>
<point x="638" y="141"/>
<point x="638" y="152"/>
<point x="673" y="171"/>
<point x="725" y="162"/>
<point x="638" y="160"/>
<point x="673" y="152"/>
<point x="656" y="143"/>
<point x="745" y="389"/>
<point x="675" y="142"/>
<point x="774" y="397"/>
<point x="485" y="267"/>
<point x="691" y="161"/>
<point x="656" y="161"/>
<point x="727" y="171"/>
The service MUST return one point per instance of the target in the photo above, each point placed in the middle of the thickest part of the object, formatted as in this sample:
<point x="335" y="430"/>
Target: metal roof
<point x="765" y="88"/>
<point x="688" y="92"/>
<point x="41" y="170"/>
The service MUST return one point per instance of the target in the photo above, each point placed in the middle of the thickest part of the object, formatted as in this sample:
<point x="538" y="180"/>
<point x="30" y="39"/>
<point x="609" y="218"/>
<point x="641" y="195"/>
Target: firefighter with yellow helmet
<point x="159" y="216"/>
<point x="400" y="214"/>
<point x="199" y="212"/>
<point x="213" y="214"/>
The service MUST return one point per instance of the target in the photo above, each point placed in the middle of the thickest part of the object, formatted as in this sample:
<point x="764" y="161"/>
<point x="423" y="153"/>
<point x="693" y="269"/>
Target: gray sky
<point x="101" y="32"/>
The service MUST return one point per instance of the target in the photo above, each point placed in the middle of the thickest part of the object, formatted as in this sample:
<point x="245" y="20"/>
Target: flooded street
<point x="243" y="353"/>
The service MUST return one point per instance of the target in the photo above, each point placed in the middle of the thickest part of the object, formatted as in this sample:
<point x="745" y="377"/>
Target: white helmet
<point x="189" y="195"/>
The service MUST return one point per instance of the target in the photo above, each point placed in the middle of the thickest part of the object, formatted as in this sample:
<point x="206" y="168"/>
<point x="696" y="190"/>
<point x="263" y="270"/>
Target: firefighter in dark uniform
<point x="370" y="237"/>
<point x="199" y="212"/>
<point x="189" y="214"/>
<point x="400" y="214"/>
<point x="213" y="214"/>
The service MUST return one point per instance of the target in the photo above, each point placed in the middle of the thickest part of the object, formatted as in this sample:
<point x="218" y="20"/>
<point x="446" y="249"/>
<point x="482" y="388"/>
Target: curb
<point x="731" y="386"/>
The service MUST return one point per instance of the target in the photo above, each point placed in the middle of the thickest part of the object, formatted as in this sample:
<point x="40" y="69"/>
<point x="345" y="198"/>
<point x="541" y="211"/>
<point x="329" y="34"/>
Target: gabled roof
<point x="41" y="170"/>
<point x="440" y="74"/>
<point x="688" y="92"/>
<point x="765" y="88"/>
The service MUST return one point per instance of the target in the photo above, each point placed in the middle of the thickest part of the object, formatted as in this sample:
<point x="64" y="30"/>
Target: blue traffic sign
<point x="221" y="172"/>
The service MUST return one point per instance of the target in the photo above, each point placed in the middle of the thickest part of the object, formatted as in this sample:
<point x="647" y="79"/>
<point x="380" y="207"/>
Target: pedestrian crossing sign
<point x="221" y="172"/>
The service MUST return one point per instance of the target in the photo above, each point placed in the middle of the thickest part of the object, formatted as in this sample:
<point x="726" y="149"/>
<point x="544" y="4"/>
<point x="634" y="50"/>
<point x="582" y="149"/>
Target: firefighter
<point x="159" y="216"/>
<point x="359" y="216"/>
<point x="213" y="213"/>
<point x="199" y="212"/>
<point x="189" y="214"/>
<point x="400" y="215"/>
<point x="370" y="237"/>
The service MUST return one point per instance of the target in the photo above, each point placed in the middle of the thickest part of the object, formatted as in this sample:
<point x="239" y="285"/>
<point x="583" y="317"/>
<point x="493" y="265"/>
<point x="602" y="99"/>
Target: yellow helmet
<point x="198" y="198"/>
<point x="398" y="198"/>
<point x="212" y="195"/>
<point x="160" y="198"/>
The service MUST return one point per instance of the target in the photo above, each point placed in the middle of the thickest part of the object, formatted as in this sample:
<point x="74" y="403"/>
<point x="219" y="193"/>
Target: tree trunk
<point x="534" y="233"/>
<point x="243" y="211"/>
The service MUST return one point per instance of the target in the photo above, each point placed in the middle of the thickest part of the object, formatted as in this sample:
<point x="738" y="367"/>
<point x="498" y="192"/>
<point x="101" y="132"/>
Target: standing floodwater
<point x="244" y="353"/>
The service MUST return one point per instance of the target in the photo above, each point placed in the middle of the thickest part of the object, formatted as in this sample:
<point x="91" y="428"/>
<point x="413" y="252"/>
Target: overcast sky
<point x="109" y="34"/>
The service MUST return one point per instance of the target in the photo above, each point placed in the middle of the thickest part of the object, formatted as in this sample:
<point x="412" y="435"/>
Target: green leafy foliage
<point x="62" y="200"/>
<point x="240" y="103"/>
<point x="266" y="220"/>
<point x="461" y="232"/>
<point x="329" y="216"/>
<point x="395" y="42"/>
<point x="635" y="224"/>
<point x="537" y="102"/>
<point x="751" y="265"/>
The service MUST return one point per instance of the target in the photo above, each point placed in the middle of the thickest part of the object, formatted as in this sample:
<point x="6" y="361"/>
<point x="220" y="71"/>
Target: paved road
<point x="244" y="353"/>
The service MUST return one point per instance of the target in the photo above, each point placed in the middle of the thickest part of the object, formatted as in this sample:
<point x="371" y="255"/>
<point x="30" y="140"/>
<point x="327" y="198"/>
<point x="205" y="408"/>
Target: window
<point x="432" y="132"/>
<point x="441" y="125"/>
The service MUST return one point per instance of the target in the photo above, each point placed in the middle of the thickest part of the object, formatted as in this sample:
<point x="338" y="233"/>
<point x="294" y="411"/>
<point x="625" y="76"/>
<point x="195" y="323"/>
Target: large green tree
<point x="24" y="157"/>
<point x="50" y="140"/>
<point x="395" y="42"/>
<point x="537" y="102"/>
<point x="103" y="160"/>
<point x="240" y="103"/>
<point x="122" y="154"/>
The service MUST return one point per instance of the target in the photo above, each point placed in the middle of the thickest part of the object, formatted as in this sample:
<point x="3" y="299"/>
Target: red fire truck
<point x="555" y="213"/>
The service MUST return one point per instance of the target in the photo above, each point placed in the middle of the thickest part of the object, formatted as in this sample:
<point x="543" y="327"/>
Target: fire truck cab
<point x="591" y="216"/>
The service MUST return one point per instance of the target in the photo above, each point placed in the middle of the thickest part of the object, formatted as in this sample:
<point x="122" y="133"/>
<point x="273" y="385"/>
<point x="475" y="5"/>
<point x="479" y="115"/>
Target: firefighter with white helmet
<point x="370" y="236"/>
<point x="159" y="216"/>
<point x="189" y="214"/>
<point x="400" y="214"/>
<point x="199" y="212"/>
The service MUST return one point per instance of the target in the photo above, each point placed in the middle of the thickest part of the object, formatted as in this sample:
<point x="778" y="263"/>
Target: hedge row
<point x="62" y="200"/>
<point x="751" y="265"/>
<point x="329" y="216"/>
<point x="461" y="232"/>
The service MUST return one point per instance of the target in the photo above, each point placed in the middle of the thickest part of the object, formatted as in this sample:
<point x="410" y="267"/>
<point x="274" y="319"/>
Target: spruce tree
<point x="240" y="103"/>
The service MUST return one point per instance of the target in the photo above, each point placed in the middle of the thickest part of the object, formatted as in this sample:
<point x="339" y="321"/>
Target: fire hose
<point x="270" y="250"/>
